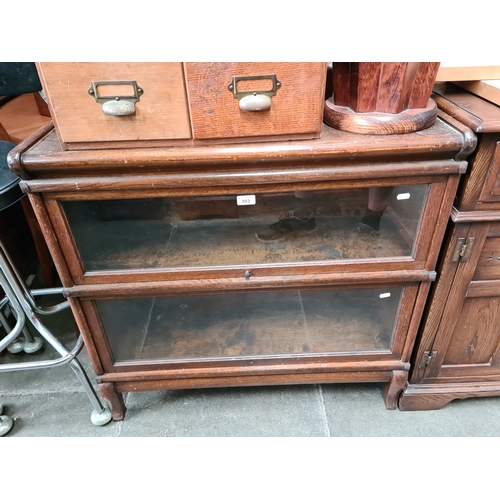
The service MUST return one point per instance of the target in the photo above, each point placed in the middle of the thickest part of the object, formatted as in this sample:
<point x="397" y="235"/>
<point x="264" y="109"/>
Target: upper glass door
<point x="249" y="229"/>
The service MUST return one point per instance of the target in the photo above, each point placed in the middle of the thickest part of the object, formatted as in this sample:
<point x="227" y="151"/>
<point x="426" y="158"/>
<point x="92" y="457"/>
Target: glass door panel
<point x="266" y="228"/>
<point x="251" y="324"/>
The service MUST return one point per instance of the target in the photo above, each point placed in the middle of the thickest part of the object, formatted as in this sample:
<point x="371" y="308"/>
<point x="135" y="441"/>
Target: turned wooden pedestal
<point x="381" y="98"/>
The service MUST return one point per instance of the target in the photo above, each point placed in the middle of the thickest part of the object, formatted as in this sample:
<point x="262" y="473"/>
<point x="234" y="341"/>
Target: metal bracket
<point x="462" y="249"/>
<point x="427" y="359"/>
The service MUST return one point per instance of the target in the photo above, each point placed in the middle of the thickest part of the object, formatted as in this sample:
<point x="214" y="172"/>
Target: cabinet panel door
<point x="488" y="266"/>
<point x="476" y="334"/>
<point x="460" y="333"/>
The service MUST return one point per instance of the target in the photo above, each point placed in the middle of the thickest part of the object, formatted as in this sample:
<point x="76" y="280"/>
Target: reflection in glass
<point x="300" y="226"/>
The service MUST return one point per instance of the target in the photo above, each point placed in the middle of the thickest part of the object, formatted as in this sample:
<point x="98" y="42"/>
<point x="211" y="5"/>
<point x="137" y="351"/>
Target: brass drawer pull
<point x="254" y="100"/>
<point x="116" y="105"/>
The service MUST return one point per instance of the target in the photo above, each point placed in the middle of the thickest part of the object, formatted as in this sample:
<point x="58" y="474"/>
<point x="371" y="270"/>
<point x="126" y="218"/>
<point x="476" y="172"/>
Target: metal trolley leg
<point x="6" y="423"/>
<point x="23" y="307"/>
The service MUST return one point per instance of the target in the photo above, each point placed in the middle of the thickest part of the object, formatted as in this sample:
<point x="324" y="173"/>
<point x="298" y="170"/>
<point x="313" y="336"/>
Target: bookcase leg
<point x="114" y="400"/>
<point x="394" y="388"/>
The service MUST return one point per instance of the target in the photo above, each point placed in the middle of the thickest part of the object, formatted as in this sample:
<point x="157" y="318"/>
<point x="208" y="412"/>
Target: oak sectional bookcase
<point x="282" y="262"/>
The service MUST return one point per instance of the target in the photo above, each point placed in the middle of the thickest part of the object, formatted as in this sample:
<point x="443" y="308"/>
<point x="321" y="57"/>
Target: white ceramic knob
<point x="118" y="108"/>
<point x="255" y="102"/>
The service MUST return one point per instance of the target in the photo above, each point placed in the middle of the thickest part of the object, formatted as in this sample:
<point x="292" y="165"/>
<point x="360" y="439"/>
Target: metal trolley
<point x="19" y="303"/>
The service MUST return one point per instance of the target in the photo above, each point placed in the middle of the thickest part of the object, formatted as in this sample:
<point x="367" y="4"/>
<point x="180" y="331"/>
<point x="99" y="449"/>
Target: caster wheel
<point x="16" y="346"/>
<point x="6" y="424"/>
<point x="32" y="347"/>
<point x="101" y="418"/>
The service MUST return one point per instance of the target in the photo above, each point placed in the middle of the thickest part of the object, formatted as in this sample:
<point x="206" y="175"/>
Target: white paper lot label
<point x="246" y="199"/>
<point x="403" y="196"/>
<point x="385" y="295"/>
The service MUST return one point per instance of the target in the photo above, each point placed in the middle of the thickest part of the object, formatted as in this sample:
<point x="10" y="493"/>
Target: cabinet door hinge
<point x="427" y="359"/>
<point x="463" y="249"/>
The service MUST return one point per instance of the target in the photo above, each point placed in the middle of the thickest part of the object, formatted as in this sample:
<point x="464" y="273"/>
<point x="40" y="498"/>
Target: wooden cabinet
<point x="457" y="354"/>
<point x="253" y="264"/>
<point x="248" y="101"/>
<point x="81" y="96"/>
<point x="128" y="105"/>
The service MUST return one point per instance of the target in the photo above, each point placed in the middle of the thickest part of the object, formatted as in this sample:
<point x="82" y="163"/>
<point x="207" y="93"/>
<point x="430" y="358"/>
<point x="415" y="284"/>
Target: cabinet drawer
<point x="250" y="324"/>
<point x="269" y="233"/>
<point x="154" y="94"/>
<point x="220" y="99"/>
<point x="479" y="190"/>
<point x="491" y="188"/>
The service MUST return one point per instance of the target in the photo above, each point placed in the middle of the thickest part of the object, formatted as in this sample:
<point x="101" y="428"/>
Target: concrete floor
<point x="51" y="402"/>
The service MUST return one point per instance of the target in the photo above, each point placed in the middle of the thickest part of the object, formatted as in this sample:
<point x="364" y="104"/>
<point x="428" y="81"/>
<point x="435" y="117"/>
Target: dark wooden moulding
<point x="339" y="159"/>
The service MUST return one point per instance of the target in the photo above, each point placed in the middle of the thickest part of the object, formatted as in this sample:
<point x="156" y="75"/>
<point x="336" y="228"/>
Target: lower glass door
<point x="251" y="324"/>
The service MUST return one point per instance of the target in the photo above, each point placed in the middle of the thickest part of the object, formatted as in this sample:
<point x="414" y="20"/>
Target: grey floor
<point x="51" y="403"/>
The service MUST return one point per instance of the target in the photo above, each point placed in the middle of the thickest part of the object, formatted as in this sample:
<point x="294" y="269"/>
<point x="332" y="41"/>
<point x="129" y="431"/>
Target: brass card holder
<point x="117" y="105"/>
<point x="254" y="100"/>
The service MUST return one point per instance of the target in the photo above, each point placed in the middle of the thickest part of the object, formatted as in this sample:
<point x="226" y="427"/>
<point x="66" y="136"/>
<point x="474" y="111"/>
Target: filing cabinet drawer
<point x="115" y="105"/>
<point x="289" y="100"/>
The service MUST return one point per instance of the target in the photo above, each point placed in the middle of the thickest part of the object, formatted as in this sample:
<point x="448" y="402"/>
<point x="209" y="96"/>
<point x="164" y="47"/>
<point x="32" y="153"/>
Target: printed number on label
<point x="247" y="199"/>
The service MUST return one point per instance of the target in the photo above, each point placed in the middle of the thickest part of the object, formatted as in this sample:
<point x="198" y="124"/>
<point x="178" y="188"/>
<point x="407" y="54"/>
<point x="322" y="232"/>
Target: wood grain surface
<point x="297" y="107"/>
<point x="162" y="112"/>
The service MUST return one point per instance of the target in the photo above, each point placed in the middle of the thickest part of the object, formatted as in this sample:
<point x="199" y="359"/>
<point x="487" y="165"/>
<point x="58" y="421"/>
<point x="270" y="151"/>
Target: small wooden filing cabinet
<point x="457" y="354"/>
<point x="289" y="262"/>
<point x="129" y="105"/>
